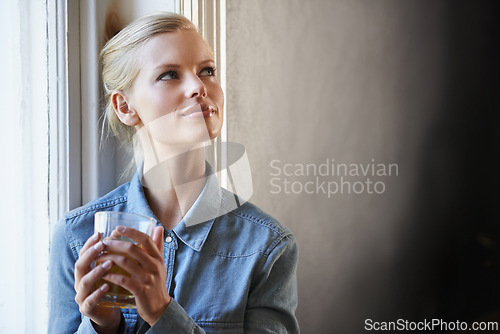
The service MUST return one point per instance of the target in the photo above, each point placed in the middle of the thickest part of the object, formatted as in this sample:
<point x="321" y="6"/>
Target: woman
<point x="210" y="266"/>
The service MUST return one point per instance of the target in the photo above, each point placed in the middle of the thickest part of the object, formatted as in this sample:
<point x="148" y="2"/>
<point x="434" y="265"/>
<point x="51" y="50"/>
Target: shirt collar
<point x="194" y="228"/>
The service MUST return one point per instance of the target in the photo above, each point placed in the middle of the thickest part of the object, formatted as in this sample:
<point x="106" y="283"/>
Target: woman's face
<point x="176" y="94"/>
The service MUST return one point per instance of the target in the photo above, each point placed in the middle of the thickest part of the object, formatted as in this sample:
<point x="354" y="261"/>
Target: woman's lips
<point x="197" y="111"/>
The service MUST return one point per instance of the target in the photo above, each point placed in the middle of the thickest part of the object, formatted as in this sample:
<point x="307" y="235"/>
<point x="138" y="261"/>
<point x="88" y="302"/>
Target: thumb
<point x="158" y="238"/>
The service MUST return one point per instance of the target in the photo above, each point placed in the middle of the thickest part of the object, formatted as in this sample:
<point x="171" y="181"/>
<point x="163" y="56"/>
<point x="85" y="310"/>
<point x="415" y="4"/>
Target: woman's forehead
<point x="179" y="47"/>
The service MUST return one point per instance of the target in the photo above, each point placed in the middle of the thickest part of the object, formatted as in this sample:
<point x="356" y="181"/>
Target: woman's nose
<point x="195" y="88"/>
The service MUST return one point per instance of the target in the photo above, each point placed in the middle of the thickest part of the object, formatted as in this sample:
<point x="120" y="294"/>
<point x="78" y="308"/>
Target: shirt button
<point x="168" y="239"/>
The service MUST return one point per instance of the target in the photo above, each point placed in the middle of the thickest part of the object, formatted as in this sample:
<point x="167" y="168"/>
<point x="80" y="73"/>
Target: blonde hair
<point x="120" y="56"/>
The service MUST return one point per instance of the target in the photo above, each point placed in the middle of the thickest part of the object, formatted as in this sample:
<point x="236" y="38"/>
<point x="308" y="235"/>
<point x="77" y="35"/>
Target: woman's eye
<point x="170" y="75"/>
<point x="207" y="72"/>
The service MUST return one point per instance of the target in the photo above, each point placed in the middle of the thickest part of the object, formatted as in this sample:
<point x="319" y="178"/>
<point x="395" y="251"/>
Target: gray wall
<point x="399" y="82"/>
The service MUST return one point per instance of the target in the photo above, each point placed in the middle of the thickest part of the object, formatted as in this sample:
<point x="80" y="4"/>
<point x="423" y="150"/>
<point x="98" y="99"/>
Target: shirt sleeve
<point x="174" y="320"/>
<point x="271" y="303"/>
<point x="273" y="294"/>
<point x="64" y="313"/>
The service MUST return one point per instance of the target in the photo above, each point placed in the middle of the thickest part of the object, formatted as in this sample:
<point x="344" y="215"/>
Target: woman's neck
<point x="172" y="185"/>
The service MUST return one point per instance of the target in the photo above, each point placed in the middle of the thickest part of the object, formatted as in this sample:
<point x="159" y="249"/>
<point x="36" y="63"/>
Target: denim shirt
<point x="234" y="273"/>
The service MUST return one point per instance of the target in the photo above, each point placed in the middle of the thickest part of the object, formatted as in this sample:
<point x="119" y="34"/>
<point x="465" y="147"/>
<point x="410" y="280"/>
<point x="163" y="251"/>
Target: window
<point x="53" y="158"/>
<point x="24" y="171"/>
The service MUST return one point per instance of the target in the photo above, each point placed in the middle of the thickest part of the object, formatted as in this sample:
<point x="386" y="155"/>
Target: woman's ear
<point x="125" y="113"/>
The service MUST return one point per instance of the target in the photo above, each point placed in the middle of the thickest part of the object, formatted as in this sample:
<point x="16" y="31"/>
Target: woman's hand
<point x="145" y="264"/>
<point x="105" y="319"/>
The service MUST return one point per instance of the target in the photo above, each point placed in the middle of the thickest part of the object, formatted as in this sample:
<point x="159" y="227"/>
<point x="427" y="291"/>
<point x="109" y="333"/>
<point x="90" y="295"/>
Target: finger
<point x="125" y="263"/>
<point x="128" y="283"/>
<point x="89" y="303"/>
<point x="115" y="235"/>
<point x="90" y="242"/>
<point x="126" y="248"/>
<point x="131" y="257"/>
<point x="84" y="263"/>
<point x="158" y="238"/>
<point x="143" y="239"/>
<point x="86" y="284"/>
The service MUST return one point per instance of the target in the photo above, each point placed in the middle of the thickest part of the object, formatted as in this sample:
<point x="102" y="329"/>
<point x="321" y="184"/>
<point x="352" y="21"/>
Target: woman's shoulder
<point x="77" y="225"/>
<point x="115" y="197"/>
<point x="250" y="214"/>
<point x="247" y="229"/>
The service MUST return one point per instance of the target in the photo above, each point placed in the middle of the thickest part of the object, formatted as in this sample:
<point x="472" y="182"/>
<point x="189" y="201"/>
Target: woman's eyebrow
<point x="162" y="66"/>
<point x="175" y="66"/>
<point x="211" y="61"/>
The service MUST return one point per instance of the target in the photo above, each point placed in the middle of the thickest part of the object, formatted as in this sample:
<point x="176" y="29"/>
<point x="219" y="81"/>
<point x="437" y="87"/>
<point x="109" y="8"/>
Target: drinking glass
<point x="105" y="222"/>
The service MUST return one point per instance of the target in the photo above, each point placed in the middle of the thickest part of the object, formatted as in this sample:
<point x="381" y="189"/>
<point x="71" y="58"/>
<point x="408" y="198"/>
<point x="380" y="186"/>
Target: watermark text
<point x="330" y="177"/>
<point x="429" y="325"/>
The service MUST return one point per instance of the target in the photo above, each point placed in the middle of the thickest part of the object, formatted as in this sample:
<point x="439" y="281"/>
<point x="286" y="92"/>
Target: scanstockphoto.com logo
<point x="330" y="177"/>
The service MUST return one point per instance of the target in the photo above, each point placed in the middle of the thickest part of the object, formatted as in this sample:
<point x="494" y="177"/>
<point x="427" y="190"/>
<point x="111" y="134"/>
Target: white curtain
<point x="24" y="168"/>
